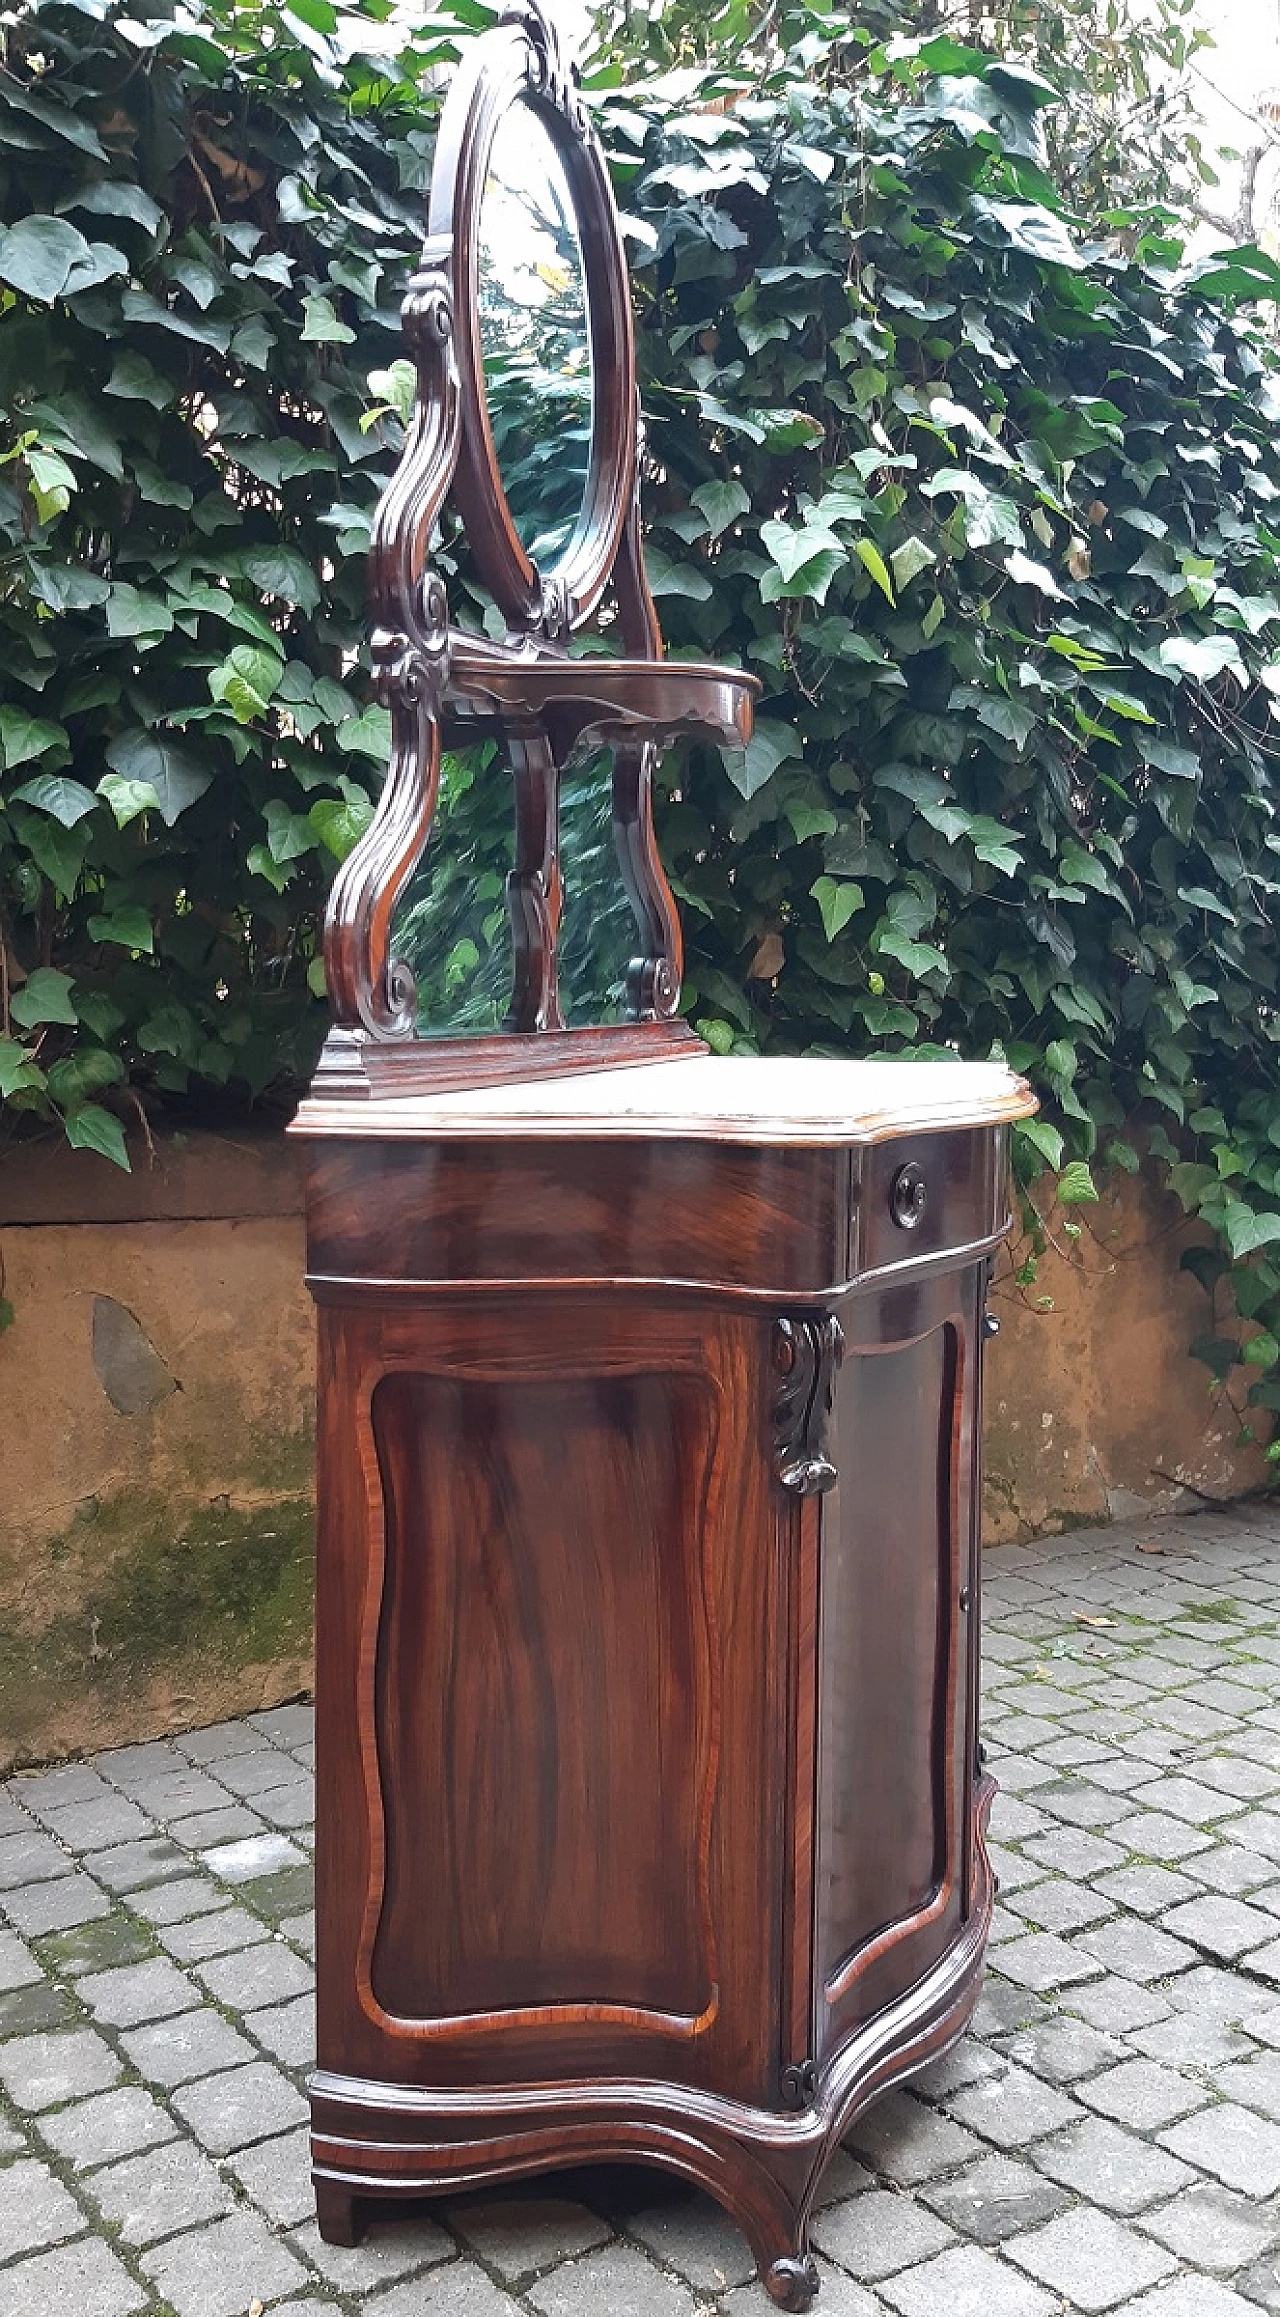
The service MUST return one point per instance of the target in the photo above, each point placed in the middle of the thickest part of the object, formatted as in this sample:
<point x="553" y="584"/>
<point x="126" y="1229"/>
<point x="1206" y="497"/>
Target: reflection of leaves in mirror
<point x="452" y="928"/>
<point x="533" y="329"/>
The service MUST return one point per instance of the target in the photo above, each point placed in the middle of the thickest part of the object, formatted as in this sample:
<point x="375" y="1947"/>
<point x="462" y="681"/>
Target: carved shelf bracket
<point x="806" y="1354"/>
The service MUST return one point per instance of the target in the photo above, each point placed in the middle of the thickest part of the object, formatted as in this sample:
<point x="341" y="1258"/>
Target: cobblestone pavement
<point x="1107" y="2137"/>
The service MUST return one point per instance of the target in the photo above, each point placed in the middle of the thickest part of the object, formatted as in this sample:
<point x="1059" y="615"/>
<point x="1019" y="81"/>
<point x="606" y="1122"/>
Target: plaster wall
<point x="155" y="1472"/>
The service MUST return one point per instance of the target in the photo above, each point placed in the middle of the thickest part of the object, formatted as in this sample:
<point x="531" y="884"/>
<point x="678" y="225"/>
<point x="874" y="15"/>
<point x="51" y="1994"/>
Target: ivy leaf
<point x="90" y="1127"/>
<point x="1247" y="1231"/>
<point x="127" y="798"/>
<point x="321" y="325"/>
<point x="909" y="560"/>
<point x="668" y="578"/>
<point x="155" y="762"/>
<point x="283" y="572"/>
<point x="1024" y="573"/>
<point x="1076" y="1186"/>
<point x="770" y="745"/>
<point x="1202" y="657"/>
<point x="869" y="556"/>
<point x="19" y="1072"/>
<point x="837" y="901"/>
<point x="721" y="502"/>
<point x="129" y="926"/>
<point x="37" y="255"/>
<point x="340" y="823"/>
<point x="67" y="801"/>
<point x="1044" y="1139"/>
<point x="246" y="682"/>
<point x="45" y="996"/>
<point x="25" y="738"/>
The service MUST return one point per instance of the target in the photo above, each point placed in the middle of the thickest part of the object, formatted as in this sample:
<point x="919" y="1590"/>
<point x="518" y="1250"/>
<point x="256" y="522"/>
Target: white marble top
<point x="734" y="1098"/>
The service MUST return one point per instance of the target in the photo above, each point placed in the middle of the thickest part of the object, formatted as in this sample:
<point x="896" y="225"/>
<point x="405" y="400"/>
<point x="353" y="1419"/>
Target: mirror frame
<point x="520" y="62"/>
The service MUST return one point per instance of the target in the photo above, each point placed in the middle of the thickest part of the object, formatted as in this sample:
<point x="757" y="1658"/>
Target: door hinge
<point x="800" y="2084"/>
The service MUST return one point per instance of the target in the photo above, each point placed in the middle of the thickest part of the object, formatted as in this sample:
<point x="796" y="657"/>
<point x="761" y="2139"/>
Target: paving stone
<point x="1013" y="2109"/>
<point x="28" y="2010"/>
<point x="1148" y="1890"/>
<point x="291" y="1806"/>
<point x="35" y="2209"/>
<point x="1111" y="2167"/>
<point x="135" y="1992"/>
<point x="1157" y="1834"/>
<point x="994" y="2199"/>
<point x="301" y="1931"/>
<point x="132" y="1766"/>
<point x="1213" y="2228"/>
<point x="178" y="1792"/>
<point x="968" y="2062"/>
<point x="1194" y="2297"/>
<point x="288" y="1726"/>
<point x="1068" y="1850"/>
<point x="135" y="1864"/>
<point x="207" y="1828"/>
<point x="1136" y="1950"/>
<point x="264" y="1973"/>
<point x="908" y="2142"/>
<point x="252" y="1860"/>
<point x="1063" y="2049"/>
<point x="1041" y="1962"/>
<point x="1116" y="2006"/>
<point x="1142" y="2094"/>
<point x="1225" y="1927"/>
<point x="288" y="2030"/>
<point x="1257" y="1831"/>
<point x="689" y="2234"/>
<point x="180" y="1900"/>
<point x="878" y="2233"/>
<point x="224" y="1932"/>
<point x="1211" y="1993"/>
<point x="18" y="1966"/>
<point x="30" y="1857"/>
<point x="85" y="2278"/>
<point x="47" y="1792"/>
<point x="1237" y="2147"/>
<point x="527" y="2234"/>
<point x="967" y="2282"/>
<point x="41" y="2071"/>
<point x="112" y="2124"/>
<point x="175" y="2051"/>
<point x="1053" y="1904"/>
<point x="1083" y="1804"/>
<point x="218" y="1743"/>
<point x="251" y="1774"/>
<point x="1190" y="2041"/>
<point x="95" y="1946"/>
<point x="1094" y="2260"/>
<point x="1255" y="2083"/>
<point x="460" y="2290"/>
<point x="219" y="2271"/>
<point x="155" y="2195"/>
<point x="1002" y="2009"/>
<point x="249" y="2103"/>
<point x="288" y="1893"/>
<point x="276" y="2174"/>
<point x="55" y="1906"/>
<point x="98" y="1824"/>
<point x="616" y="2282"/>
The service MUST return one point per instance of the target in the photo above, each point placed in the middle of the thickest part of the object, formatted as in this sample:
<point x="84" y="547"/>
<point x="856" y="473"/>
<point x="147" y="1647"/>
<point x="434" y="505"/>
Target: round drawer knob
<point x="908" y="1196"/>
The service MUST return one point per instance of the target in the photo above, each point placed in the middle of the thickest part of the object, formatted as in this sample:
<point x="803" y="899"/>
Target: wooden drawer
<point x="923" y="1196"/>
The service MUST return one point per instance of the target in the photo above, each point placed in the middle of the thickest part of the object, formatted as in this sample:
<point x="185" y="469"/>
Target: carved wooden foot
<point x="339" y="2216"/>
<point x="792" y="2281"/>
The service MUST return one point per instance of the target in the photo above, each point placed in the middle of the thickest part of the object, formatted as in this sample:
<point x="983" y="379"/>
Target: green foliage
<point x="203" y="239"/>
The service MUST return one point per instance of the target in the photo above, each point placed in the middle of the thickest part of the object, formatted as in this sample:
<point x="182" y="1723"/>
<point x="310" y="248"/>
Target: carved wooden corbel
<point x="806" y="1354"/>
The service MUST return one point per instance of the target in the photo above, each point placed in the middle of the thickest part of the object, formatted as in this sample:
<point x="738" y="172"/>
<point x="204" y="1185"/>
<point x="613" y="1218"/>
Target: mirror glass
<point x="533" y="334"/>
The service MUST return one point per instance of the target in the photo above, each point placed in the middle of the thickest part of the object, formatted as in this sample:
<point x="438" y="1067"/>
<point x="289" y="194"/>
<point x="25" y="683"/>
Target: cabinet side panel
<point x="543" y="1696"/>
<point x="888" y="1672"/>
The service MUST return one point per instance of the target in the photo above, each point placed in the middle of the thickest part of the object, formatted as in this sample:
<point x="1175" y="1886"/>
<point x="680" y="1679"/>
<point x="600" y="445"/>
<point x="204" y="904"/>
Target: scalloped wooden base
<point x="354" y="1067"/>
<point x="383" y="2140"/>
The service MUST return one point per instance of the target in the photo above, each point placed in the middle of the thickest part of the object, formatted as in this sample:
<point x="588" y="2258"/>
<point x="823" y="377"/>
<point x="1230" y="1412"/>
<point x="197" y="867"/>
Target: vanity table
<point x="650" y="1816"/>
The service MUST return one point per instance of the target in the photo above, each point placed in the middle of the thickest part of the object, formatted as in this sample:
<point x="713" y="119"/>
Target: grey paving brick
<point x="179" y="1901"/>
<point x="1069" y="1850"/>
<point x="460" y="2290"/>
<point x="35" y="2209"/>
<point x="288" y="1726"/>
<point x="967" y="2282"/>
<point x="262" y="1974"/>
<point x="129" y="1767"/>
<point x="1261" y="2282"/>
<point x="687" y="2233"/>
<point x="99" y="1824"/>
<point x="207" y="1828"/>
<point x="29" y="2010"/>
<point x="175" y="2051"/>
<point x="618" y="2281"/>
<point x="1194" y="2297"/>
<point x="134" y="1864"/>
<point x="30" y="1857"/>
<point x="287" y="2030"/>
<point x="1147" y="1889"/>
<point x="110" y="2125"/>
<point x="1238" y="2147"/>
<point x="1063" y="2049"/>
<point x="1043" y="1962"/>
<point x="157" y="2194"/>
<point x="1255" y="2083"/>
<point x="1052" y="1903"/>
<point x="136" y="1992"/>
<point x="85" y="2278"/>
<point x="1013" y="2109"/>
<point x="276" y="2174"/>
<point x="1212" y="1993"/>
<point x="1142" y="2094"/>
<point x="1110" y="2167"/>
<point x="18" y="1966"/>
<point x="1136" y="1950"/>
<point x="1159" y="1835"/>
<point x="251" y="1774"/>
<point x="254" y="1859"/>
<point x="1095" y="2261"/>
<point x="219" y="2271"/>
<point x="1189" y="2041"/>
<point x="993" y="2199"/>
<point x="1214" y="2228"/>
<point x="1257" y="1831"/>
<point x="907" y="2142"/>
<point x="178" y="1792"/>
<point x="54" y="1906"/>
<point x="300" y="1930"/>
<point x="41" y="2071"/>
<point x="248" y="2103"/>
<point x="47" y="1792"/>
<point x="96" y="1946"/>
<point x="1116" y="2006"/>
<point x="290" y="1806"/>
<point x="219" y="1742"/>
<point x="1225" y="1927"/>
<point x="224" y="1932"/>
<point x="879" y="2232"/>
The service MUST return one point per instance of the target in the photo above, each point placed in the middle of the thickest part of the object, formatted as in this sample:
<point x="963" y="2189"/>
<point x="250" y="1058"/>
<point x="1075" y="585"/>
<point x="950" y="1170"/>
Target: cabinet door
<point x="897" y="1641"/>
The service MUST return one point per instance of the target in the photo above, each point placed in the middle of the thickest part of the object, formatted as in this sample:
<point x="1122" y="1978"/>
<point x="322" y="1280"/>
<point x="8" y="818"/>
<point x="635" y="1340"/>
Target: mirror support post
<point x="535" y="888"/>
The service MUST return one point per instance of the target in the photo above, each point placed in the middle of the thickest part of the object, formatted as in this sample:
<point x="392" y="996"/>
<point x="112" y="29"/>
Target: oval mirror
<point x="534" y="335"/>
